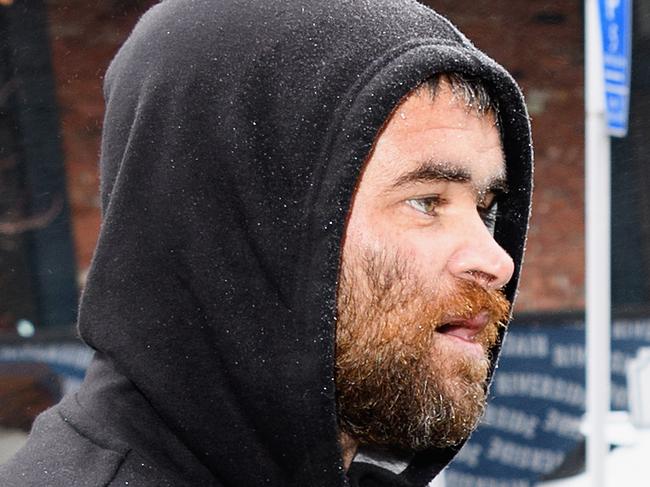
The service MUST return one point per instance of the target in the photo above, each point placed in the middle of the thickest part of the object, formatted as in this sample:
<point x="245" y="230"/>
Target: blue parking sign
<point x="616" y="28"/>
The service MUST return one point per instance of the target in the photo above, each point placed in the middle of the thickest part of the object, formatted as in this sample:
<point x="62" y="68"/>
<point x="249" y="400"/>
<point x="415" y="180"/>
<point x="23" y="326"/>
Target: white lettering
<point x="71" y="355"/>
<point x="524" y="457"/>
<point x="511" y="420"/>
<point x="571" y="355"/>
<point x="540" y="386"/>
<point x="613" y="38"/>
<point x="533" y="345"/>
<point x="470" y="454"/>
<point x="631" y="330"/>
<point x="619" y="396"/>
<point x="562" y="424"/>
<point x="460" y="479"/>
<point x="619" y="359"/>
<point x="610" y="8"/>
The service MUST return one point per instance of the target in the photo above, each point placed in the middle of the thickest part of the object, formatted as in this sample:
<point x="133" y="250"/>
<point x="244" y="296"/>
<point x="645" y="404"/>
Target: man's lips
<point x="465" y="328"/>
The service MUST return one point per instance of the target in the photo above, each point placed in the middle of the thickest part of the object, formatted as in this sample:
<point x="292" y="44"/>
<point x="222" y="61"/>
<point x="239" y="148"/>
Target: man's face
<point x="419" y="306"/>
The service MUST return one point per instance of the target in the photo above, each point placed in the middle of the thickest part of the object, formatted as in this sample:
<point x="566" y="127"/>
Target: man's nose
<point x="481" y="259"/>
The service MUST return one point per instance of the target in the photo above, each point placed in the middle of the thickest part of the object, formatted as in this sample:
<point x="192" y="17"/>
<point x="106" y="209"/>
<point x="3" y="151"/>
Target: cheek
<point x="363" y="233"/>
<point x="423" y="250"/>
<point x="426" y="253"/>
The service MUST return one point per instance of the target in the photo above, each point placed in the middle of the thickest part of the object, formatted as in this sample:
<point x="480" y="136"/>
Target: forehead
<point x="443" y="131"/>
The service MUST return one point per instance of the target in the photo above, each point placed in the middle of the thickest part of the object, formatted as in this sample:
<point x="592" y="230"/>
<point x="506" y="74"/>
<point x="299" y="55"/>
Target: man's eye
<point x="488" y="215"/>
<point x="427" y="205"/>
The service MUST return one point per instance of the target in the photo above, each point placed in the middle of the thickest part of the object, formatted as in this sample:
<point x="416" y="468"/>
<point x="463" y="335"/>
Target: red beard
<point x="400" y="382"/>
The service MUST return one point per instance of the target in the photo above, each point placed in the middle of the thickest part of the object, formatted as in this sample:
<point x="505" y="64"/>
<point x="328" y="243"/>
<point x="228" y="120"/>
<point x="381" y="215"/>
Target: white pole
<point x="597" y="209"/>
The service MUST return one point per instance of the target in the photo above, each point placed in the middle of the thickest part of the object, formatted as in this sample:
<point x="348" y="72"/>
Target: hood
<point x="235" y="133"/>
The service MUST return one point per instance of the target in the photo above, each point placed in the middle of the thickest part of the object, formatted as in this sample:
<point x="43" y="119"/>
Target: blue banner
<point x="537" y="401"/>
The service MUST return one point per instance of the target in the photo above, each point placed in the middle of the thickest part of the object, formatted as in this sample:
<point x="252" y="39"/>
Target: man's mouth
<point x="464" y="331"/>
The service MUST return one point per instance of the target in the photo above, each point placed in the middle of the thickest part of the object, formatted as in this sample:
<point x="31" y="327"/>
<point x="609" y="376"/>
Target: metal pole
<point x="597" y="209"/>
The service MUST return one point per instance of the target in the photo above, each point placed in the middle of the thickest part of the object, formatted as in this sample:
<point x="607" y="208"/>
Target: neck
<point x="348" y="449"/>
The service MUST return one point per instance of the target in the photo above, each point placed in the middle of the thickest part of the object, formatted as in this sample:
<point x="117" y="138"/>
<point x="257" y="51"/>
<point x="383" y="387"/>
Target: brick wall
<point x="85" y="36"/>
<point x="539" y="41"/>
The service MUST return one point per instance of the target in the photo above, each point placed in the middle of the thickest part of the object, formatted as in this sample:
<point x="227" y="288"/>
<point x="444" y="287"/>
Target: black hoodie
<point x="234" y="135"/>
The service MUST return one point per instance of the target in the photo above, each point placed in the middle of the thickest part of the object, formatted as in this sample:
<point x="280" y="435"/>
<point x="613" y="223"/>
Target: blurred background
<point x="53" y="55"/>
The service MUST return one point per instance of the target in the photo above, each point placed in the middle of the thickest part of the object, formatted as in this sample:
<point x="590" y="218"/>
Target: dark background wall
<point x="539" y="41"/>
<point x="84" y="36"/>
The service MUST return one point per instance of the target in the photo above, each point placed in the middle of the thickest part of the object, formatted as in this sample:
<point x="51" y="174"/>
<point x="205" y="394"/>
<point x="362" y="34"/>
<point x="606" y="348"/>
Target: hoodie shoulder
<point x="58" y="455"/>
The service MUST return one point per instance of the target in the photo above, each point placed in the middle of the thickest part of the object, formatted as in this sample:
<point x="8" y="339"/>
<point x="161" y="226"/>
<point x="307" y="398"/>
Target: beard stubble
<point x="400" y="383"/>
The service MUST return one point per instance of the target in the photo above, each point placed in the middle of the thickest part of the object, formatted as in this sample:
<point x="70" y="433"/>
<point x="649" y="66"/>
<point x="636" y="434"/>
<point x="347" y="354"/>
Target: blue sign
<point x="616" y="28"/>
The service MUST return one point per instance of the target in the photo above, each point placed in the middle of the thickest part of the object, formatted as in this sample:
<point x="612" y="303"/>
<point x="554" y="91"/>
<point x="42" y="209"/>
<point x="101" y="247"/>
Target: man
<point x="314" y="219"/>
<point x="419" y="307"/>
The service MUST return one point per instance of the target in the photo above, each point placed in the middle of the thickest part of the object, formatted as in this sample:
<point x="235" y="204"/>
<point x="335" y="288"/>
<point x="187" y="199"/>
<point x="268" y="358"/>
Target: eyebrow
<point x="432" y="171"/>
